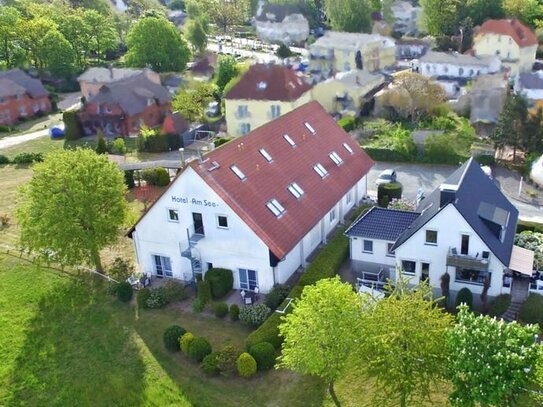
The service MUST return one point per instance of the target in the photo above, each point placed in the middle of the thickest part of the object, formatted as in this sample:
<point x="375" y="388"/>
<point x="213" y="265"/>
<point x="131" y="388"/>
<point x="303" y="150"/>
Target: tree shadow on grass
<point x="78" y="351"/>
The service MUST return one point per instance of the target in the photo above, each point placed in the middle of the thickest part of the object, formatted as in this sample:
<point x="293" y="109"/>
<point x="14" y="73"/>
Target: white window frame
<point x="275" y="207"/>
<point x="266" y="155"/>
<point x="364" y="241"/>
<point x="390" y="253"/>
<point x="408" y="272"/>
<point x="248" y="286"/>
<point x="219" y="223"/>
<point x="235" y="169"/>
<point x="349" y="198"/>
<point x="165" y="272"/>
<point x="176" y="211"/>
<point x="335" y="158"/>
<point x="332" y="215"/>
<point x="295" y="190"/>
<point x="319" y="169"/>
<point x="426" y="241"/>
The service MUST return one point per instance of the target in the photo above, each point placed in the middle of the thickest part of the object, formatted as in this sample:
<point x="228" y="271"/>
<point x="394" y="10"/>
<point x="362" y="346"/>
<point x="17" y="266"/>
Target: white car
<point x="386" y="177"/>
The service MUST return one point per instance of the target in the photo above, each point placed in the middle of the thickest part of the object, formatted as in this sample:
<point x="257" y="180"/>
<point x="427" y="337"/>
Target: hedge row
<point x="22" y="158"/>
<point x="325" y="265"/>
<point x="523" y="225"/>
<point x="385" y="154"/>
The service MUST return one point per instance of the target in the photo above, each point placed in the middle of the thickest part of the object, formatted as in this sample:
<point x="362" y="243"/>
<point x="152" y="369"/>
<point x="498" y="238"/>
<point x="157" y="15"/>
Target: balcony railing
<point x="465" y="261"/>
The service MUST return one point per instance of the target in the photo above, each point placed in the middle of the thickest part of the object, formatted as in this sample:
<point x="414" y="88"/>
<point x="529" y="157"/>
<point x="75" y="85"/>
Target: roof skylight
<point x="335" y="158"/>
<point x="238" y="172"/>
<point x="275" y="207"/>
<point x="319" y="169"/>
<point x="348" y="148"/>
<point x="296" y="190"/>
<point x="289" y="140"/>
<point x="310" y="128"/>
<point x="266" y="155"/>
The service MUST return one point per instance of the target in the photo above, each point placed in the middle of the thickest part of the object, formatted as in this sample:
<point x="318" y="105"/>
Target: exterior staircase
<point x="193" y="255"/>
<point x="519" y="293"/>
<point x="512" y="312"/>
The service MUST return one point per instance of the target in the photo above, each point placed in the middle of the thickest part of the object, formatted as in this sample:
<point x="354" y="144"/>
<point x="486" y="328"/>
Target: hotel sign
<point x="193" y="201"/>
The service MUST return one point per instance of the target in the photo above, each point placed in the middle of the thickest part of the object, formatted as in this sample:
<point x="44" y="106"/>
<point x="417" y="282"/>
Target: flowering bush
<point x="532" y="241"/>
<point x="401" y="204"/>
<point x="254" y="315"/>
<point x="157" y="298"/>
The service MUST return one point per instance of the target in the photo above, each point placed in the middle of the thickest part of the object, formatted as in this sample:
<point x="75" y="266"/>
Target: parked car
<point x="386" y="177"/>
<point x="213" y="109"/>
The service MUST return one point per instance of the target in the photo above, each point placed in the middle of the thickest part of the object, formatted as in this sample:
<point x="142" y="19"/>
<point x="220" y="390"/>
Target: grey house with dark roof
<point x="466" y="228"/>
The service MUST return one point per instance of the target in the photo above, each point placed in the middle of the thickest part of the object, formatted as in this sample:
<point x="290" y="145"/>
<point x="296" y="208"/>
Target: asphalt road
<point x="429" y="177"/>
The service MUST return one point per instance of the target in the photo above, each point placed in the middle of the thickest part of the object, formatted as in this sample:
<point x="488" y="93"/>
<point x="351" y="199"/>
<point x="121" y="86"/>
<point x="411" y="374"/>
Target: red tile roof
<point x="269" y="180"/>
<point x="521" y="34"/>
<point x="269" y="82"/>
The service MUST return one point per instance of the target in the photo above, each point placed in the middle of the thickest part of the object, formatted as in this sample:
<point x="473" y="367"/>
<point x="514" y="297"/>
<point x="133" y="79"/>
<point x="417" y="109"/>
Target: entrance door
<point x="464" y="249"/>
<point x="247" y="279"/>
<point x="198" y="223"/>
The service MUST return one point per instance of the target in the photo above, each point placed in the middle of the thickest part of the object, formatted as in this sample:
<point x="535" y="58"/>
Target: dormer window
<point x="289" y="140"/>
<point x="310" y="128"/>
<point x="266" y="155"/>
<point x="296" y="190"/>
<point x="261" y="85"/>
<point x="275" y="207"/>
<point x="348" y="148"/>
<point x="238" y="172"/>
<point x="335" y="158"/>
<point x="319" y="169"/>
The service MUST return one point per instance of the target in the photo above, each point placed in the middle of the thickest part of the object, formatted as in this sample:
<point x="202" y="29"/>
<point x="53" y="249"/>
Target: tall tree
<point x="58" y="54"/>
<point x="60" y="219"/>
<point x="10" y="19"/>
<point x="527" y="11"/>
<point x="510" y="129"/>
<point x="225" y="14"/>
<point x="155" y="42"/>
<point x="77" y="32"/>
<point x="321" y="331"/>
<point x="33" y="32"/>
<point x="533" y="132"/>
<point x="192" y="102"/>
<point x="349" y="15"/>
<point x="103" y="36"/>
<point x="196" y="35"/>
<point x="404" y="346"/>
<point x="439" y="16"/>
<point x="490" y="361"/>
<point x="227" y="70"/>
<point x="481" y="10"/>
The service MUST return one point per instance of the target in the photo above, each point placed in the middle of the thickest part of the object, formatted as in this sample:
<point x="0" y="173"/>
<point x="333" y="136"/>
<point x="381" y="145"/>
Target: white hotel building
<point x="258" y="205"/>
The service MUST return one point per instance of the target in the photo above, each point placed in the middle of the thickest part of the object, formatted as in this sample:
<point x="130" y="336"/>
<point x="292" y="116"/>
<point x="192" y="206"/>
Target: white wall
<point x="450" y="225"/>
<point x="379" y="255"/>
<point x="457" y="71"/>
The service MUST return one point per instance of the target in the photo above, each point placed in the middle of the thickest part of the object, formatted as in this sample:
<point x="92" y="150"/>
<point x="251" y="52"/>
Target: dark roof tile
<point x="382" y="224"/>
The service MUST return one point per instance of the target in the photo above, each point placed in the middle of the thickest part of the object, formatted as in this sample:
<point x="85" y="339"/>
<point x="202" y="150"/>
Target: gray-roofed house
<point x="123" y="107"/>
<point x="94" y="78"/>
<point x="466" y="228"/>
<point x="21" y="96"/>
<point x="283" y="23"/>
<point x="530" y="84"/>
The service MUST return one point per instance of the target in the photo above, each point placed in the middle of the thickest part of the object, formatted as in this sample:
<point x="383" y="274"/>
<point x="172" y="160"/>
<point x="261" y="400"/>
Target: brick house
<point x="21" y="96"/>
<point x="123" y="107"/>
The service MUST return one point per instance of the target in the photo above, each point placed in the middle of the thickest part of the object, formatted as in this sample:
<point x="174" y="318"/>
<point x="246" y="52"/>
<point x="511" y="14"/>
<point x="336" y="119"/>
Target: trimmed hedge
<point x="464" y="296"/>
<point x="220" y="309"/>
<point x="523" y="225"/>
<point x="499" y="305"/>
<point x="386" y="154"/>
<point x="72" y="126"/>
<point x="531" y="310"/>
<point x="210" y="364"/>
<point x="246" y="365"/>
<point x="185" y="341"/>
<point x="124" y="291"/>
<point x="27" y="158"/>
<point x="171" y="337"/>
<point x="277" y="295"/>
<point x="391" y="190"/>
<point x="220" y="280"/>
<point x="264" y="354"/>
<point x="234" y="312"/>
<point x="156" y="176"/>
<point x="199" y="348"/>
<point x="204" y="291"/>
<point x="347" y="123"/>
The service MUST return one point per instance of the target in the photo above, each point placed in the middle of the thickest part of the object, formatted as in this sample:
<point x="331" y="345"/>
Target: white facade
<point x="464" y="67"/>
<point x="234" y="246"/>
<point x="293" y="29"/>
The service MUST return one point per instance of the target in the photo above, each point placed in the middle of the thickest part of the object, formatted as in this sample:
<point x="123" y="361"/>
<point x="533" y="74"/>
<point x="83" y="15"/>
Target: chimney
<point x="447" y="194"/>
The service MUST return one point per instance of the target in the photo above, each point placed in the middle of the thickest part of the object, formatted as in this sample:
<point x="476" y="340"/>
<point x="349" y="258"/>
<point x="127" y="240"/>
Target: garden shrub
<point x="174" y="291"/>
<point x="219" y="141"/>
<point x="226" y="359"/>
<point x="157" y="298"/>
<point x="204" y="291"/>
<point x="210" y="364"/>
<point x="156" y="176"/>
<point x="3" y="159"/>
<point x="531" y="311"/>
<point x="185" y="341"/>
<point x="276" y="295"/>
<point x="438" y="150"/>
<point x="27" y="158"/>
<point x="220" y="280"/>
<point x="392" y="190"/>
<point x="197" y="305"/>
<point x="499" y="305"/>
<point x="129" y="179"/>
<point x="485" y="159"/>
<point x="5" y="129"/>
<point x="4" y="220"/>
<point x="254" y="315"/>
<point x="171" y="337"/>
<point x="246" y="365"/>
<point x="347" y="123"/>
<point x="124" y="291"/>
<point x="101" y="146"/>
<point x="524" y="225"/>
<point x="384" y="154"/>
<point x="72" y="126"/>
<point x="143" y="297"/>
<point x="118" y="146"/>
<point x="264" y="354"/>
<point x="234" y="312"/>
<point x="220" y="309"/>
<point x="152" y="141"/>
<point x="199" y="348"/>
<point x="464" y="296"/>
<point x="120" y="269"/>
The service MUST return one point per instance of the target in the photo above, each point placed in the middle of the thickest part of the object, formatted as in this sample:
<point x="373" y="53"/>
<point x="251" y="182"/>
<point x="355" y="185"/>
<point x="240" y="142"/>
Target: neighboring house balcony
<point x="469" y="269"/>
<point x="372" y="275"/>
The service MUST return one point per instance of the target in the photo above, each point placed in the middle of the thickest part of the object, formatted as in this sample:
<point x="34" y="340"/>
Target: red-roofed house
<point x="509" y="39"/>
<point x="259" y="205"/>
<point x="264" y="92"/>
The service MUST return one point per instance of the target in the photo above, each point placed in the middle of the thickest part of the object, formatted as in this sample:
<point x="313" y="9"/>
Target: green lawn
<point x="64" y="341"/>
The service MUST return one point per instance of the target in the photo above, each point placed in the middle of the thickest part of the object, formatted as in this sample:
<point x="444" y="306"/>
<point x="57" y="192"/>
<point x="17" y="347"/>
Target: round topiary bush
<point x="162" y="177"/>
<point x="199" y="348"/>
<point x="464" y="296"/>
<point x="246" y="365"/>
<point x="220" y="280"/>
<point x="221" y="309"/>
<point x="254" y="315"/>
<point x="124" y="291"/>
<point x="171" y="337"/>
<point x="143" y="296"/>
<point x="234" y="312"/>
<point x="264" y="354"/>
<point x="185" y="341"/>
<point x="210" y="364"/>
